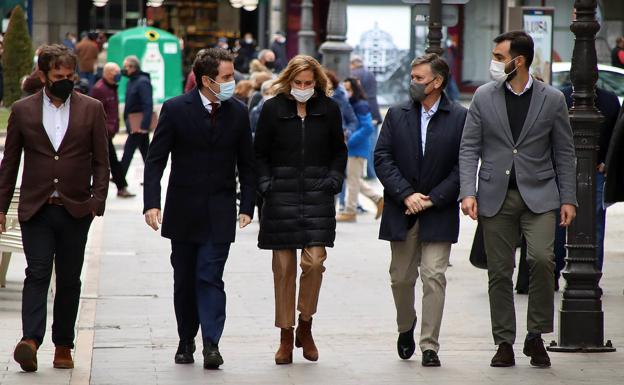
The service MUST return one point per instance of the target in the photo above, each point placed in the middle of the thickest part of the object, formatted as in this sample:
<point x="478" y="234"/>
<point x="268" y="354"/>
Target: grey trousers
<point x="501" y="235"/>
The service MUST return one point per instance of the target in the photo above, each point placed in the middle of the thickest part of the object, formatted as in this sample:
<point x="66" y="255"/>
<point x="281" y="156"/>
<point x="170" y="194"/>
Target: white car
<point x="609" y="78"/>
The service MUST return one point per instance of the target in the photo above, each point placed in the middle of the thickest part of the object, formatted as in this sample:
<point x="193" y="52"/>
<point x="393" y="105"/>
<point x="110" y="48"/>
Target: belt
<point x="55" y="201"/>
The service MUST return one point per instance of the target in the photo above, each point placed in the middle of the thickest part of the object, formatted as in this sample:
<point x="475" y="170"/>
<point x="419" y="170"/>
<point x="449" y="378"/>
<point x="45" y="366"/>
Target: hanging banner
<point x="538" y="22"/>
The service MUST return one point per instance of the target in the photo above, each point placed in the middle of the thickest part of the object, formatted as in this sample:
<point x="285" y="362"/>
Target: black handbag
<point x="478" y="257"/>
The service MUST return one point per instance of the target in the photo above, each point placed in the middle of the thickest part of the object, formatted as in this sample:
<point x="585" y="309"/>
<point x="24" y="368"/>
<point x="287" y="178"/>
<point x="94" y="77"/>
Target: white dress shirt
<point x="528" y="85"/>
<point x="425" y="117"/>
<point x="207" y="102"/>
<point x="55" y="122"/>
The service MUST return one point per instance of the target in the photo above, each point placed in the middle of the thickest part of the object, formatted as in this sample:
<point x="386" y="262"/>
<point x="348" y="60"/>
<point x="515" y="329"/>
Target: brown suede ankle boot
<point x="63" y="358"/>
<point x="26" y="355"/>
<point x="304" y="340"/>
<point x="284" y="353"/>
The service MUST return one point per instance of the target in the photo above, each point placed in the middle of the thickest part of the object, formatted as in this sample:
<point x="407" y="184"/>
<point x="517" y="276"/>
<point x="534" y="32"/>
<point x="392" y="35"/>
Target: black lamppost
<point x="581" y="319"/>
<point x="434" y="37"/>
<point x="335" y="50"/>
<point x="306" y="33"/>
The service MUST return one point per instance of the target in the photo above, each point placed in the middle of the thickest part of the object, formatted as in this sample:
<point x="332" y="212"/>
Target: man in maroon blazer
<point x="64" y="185"/>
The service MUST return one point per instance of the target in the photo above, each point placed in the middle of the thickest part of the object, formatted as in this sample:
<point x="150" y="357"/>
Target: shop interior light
<point x="236" y="3"/>
<point x="100" y="3"/>
<point x="250" y="5"/>
<point x="155" y="3"/>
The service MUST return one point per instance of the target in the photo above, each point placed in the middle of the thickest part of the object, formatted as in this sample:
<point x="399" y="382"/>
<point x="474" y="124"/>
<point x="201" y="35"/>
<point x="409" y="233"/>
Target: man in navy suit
<point x="416" y="160"/>
<point x="207" y="133"/>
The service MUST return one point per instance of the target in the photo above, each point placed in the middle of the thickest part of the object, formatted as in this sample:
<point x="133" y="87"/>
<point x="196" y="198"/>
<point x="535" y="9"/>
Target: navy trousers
<point x="198" y="288"/>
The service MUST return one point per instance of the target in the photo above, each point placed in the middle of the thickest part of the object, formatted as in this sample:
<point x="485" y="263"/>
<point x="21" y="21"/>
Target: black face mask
<point x="124" y="72"/>
<point x="270" y="65"/>
<point x="61" y="88"/>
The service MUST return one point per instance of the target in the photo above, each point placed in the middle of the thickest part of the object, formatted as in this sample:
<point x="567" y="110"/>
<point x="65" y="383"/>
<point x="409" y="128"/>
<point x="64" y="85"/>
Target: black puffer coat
<point x="300" y="167"/>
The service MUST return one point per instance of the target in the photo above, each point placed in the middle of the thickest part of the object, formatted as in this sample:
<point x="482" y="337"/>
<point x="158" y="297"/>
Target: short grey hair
<point x="133" y="60"/>
<point x="266" y="86"/>
<point x="436" y="63"/>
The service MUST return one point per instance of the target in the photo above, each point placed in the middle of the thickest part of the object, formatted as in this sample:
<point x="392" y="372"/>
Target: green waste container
<point x="159" y="54"/>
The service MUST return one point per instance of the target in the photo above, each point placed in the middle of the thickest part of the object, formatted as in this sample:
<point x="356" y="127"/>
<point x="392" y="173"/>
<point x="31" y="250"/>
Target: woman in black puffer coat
<point x="300" y="157"/>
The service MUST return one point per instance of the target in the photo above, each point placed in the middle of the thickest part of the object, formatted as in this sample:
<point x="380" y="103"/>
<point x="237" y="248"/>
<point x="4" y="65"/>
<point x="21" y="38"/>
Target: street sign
<point x="443" y="1"/>
<point x="450" y="15"/>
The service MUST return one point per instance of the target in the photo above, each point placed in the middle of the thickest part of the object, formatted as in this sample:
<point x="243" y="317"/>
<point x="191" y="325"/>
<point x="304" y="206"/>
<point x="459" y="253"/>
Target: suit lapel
<point x="220" y="121"/>
<point x="75" y="105"/>
<point x="37" y="114"/>
<point x="413" y="125"/>
<point x="198" y="114"/>
<point x="498" y="101"/>
<point x="537" y="102"/>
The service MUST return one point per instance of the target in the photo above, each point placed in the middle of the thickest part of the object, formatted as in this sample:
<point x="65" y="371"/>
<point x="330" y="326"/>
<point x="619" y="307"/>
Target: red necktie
<point x="213" y="112"/>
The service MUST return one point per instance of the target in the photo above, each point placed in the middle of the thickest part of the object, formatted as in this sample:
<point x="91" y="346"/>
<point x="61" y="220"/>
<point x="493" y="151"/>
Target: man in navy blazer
<point x="416" y="160"/>
<point x="207" y="134"/>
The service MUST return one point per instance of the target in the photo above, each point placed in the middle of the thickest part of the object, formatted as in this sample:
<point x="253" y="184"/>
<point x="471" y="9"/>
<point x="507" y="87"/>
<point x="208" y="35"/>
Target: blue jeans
<point x="601" y="211"/>
<point x="198" y="288"/>
<point x="370" y="159"/>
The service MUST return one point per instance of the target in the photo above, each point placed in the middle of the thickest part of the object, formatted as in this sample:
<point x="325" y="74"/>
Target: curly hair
<point x="207" y="62"/>
<point x="53" y="56"/>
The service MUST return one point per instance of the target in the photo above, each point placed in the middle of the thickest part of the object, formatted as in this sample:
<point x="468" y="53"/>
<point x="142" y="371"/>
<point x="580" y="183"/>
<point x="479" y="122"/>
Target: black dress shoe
<point x="534" y="348"/>
<point x="212" y="357"/>
<point x="406" y="344"/>
<point x="504" y="356"/>
<point x="430" y="358"/>
<point x="184" y="354"/>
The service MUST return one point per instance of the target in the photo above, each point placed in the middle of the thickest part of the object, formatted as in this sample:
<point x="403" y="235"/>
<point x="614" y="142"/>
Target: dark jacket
<point x="349" y="120"/>
<point x="369" y="84"/>
<point x="402" y="170"/>
<point x="281" y="58"/>
<point x="609" y="105"/>
<point x="614" y="164"/>
<point x="201" y="195"/>
<point x="139" y="98"/>
<point x="300" y="167"/>
<point x="107" y="94"/>
<point x="79" y="170"/>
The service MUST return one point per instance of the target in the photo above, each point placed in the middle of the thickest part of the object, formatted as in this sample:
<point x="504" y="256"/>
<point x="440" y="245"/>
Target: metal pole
<point x="335" y="50"/>
<point x="434" y="37"/>
<point x="581" y="319"/>
<point x="307" y="34"/>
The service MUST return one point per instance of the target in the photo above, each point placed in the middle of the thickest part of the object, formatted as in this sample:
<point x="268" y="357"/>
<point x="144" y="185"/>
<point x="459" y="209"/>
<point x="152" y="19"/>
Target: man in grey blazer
<point x="519" y="128"/>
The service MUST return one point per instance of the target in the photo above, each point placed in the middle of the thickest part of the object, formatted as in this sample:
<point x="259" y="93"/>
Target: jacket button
<point x="515" y="151"/>
<point x="56" y="157"/>
<point x="55" y="180"/>
<point x="507" y="172"/>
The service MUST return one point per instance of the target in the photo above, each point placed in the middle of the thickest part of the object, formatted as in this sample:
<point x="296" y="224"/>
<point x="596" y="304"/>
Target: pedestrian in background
<point x="64" y="186"/>
<point x="517" y="126"/>
<point x="617" y="53"/>
<point x="358" y="146"/>
<point x="105" y="90"/>
<point x="278" y="46"/>
<point x="206" y="133"/>
<point x="87" y="51"/>
<point x="300" y="162"/>
<point x="137" y="111"/>
<point x="416" y="159"/>
<point x="369" y="84"/>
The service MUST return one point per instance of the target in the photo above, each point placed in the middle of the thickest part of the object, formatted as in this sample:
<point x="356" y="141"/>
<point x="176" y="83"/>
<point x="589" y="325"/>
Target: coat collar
<point x="287" y="107"/>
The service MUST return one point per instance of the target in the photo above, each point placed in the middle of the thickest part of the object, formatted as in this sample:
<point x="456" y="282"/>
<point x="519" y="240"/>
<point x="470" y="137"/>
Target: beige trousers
<point x="432" y="258"/>
<point x="284" y="276"/>
<point x="356" y="185"/>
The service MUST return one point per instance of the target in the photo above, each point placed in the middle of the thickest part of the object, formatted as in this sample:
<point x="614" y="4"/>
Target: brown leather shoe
<point x="534" y="348"/>
<point x="346" y="217"/>
<point x="124" y="193"/>
<point x="504" y="357"/>
<point x="284" y="353"/>
<point x="380" y="206"/>
<point x="26" y="355"/>
<point x="63" y="358"/>
<point x="304" y="340"/>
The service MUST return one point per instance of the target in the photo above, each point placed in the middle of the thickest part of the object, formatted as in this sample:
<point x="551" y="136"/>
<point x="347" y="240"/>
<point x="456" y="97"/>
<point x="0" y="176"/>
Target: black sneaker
<point x="534" y="348"/>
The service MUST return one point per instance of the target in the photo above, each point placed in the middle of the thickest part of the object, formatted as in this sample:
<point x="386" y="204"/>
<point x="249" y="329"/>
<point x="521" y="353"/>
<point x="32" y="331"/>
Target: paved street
<point x="127" y="332"/>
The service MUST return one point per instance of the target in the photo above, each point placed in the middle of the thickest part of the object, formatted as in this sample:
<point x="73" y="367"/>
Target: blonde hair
<point x="296" y="65"/>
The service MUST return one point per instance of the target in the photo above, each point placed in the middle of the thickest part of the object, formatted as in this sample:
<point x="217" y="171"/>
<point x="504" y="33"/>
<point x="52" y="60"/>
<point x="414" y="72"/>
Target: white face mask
<point x="226" y="90"/>
<point x="497" y="70"/>
<point x="302" y="96"/>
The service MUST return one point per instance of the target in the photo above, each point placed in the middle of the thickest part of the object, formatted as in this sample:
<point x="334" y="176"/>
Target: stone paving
<point x="127" y="331"/>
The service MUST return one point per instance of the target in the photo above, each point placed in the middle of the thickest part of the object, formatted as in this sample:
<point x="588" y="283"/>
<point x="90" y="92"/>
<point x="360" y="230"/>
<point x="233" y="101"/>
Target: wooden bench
<point x="11" y="239"/>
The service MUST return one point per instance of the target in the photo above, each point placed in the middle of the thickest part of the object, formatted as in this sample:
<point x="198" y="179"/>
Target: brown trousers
<point x="284" y="276"/>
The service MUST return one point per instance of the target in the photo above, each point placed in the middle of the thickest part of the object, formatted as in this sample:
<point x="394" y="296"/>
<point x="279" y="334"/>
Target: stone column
<point x="335" y="50"/>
